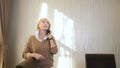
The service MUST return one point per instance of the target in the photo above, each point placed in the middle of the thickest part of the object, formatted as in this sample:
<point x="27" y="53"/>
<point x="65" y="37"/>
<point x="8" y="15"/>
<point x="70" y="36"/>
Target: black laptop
<point x="100" y="61"/>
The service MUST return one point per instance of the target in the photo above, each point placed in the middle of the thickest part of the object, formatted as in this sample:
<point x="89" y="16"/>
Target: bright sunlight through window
<point x="63" y="32"/>
<point x="44" y="10"/>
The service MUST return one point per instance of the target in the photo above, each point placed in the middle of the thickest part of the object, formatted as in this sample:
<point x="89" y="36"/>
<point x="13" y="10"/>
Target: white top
<point x="39" y="39"/>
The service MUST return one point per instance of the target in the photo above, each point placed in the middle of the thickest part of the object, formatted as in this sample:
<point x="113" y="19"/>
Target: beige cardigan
<point x="41" y="47"/>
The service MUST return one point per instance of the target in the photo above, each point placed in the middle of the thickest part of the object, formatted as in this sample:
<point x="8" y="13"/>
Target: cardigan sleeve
<point x="27" y="48"/>
<point x="54" y="50"/>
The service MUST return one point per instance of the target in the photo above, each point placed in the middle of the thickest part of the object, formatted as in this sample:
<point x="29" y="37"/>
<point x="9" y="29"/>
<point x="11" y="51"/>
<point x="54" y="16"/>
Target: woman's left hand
<point x="50" y="36"/>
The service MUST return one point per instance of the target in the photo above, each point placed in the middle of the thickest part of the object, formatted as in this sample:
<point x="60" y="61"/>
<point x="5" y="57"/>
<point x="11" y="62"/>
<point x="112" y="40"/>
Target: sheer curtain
<point x="5" y="15"/>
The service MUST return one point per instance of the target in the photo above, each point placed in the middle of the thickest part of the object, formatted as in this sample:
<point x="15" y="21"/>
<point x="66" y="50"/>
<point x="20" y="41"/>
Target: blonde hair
<point x="44" y="19"/>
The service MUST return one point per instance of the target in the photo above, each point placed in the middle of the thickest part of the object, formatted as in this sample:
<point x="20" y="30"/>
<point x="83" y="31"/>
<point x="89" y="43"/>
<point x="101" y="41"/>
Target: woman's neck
<point x="42" y="33"/>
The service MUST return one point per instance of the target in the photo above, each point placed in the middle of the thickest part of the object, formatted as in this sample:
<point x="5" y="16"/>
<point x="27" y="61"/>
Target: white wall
<point x="96" y="27"/>
<point x="25" y="17"/>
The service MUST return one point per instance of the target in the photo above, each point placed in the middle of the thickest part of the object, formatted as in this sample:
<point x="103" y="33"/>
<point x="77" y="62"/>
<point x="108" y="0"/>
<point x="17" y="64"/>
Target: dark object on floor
<point x="27" y="63"/>
<point x="100" y="61"/>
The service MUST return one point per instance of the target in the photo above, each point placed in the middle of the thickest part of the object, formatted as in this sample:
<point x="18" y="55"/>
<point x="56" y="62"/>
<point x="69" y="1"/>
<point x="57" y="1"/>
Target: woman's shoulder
<point x="32" y="36"/>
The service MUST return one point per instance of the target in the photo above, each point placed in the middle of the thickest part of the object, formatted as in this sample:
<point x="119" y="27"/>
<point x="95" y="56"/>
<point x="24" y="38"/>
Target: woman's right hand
<point x="38" y="56"/>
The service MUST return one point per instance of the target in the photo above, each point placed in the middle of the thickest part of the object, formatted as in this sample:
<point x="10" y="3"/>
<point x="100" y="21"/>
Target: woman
<point x="41" y="46"/>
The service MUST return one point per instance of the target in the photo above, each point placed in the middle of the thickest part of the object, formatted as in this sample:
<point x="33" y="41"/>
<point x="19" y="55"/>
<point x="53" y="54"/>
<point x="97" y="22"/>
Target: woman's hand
<point x="49" y="36"/>
<point x="38" y="56"/>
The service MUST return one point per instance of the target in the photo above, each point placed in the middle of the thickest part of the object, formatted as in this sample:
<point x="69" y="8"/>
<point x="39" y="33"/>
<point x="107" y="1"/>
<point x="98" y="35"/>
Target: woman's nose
<point x="46" y="23"/>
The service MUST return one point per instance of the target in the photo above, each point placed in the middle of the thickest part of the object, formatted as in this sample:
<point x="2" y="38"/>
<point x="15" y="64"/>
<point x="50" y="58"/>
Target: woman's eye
<point x="43" y="21"/>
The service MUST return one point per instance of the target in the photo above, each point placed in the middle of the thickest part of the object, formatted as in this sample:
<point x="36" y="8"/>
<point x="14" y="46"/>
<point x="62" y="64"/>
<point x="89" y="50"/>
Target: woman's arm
<point x="35" y="55"/>
<point x="53" y="46"/>
<point x="28" y="52"/>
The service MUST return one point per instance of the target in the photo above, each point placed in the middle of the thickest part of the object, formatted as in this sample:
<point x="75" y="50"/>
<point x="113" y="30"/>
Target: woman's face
<point x="44" y="25"/>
